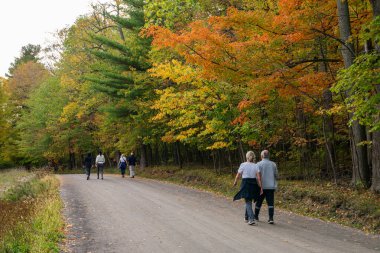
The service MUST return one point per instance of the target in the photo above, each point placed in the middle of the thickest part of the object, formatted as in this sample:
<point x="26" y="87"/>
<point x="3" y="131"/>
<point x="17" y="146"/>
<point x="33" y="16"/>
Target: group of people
<point x="259" y="182"/>
<point x="100" y="162"/>
<point x="127" y="161"/>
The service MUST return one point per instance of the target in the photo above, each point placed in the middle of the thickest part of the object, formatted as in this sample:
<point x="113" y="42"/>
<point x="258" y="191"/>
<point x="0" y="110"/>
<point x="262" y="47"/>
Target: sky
<point x="33" y="21"/>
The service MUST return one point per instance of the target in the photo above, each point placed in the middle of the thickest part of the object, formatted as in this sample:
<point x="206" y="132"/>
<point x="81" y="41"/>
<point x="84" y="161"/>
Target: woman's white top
<point x="248" y="170"/>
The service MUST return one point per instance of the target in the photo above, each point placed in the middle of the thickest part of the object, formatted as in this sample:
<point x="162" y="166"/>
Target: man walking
<point x="269" y="175"/>
<point x="99" y="162"/>
<point x="88" y="165"/>
<point x="132" y="164"/>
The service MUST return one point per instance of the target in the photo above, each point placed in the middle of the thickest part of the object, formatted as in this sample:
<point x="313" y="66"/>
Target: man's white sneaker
<point x="251" y="222"/>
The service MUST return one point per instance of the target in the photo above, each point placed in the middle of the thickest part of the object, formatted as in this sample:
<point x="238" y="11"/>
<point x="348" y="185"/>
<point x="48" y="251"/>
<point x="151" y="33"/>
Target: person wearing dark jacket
<point x="132" y="164"/>
<point x="88" y="165"/>
<point x="250" y="188"/>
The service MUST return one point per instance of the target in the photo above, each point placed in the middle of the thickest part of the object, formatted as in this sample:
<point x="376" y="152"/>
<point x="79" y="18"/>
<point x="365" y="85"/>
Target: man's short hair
<point x="265" y="154"/>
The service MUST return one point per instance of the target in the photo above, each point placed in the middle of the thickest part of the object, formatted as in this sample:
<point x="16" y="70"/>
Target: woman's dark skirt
<point x="123" y="166"/>
<point x="249" y="189"/>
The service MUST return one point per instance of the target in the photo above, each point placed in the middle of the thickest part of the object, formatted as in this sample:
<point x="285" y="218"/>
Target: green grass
<point x="39" y="229"/>
<point x="10" y="178"/>
<point x="356" y="208"/>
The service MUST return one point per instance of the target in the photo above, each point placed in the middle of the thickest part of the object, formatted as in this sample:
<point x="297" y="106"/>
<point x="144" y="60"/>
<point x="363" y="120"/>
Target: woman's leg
<point x="248" y="207"/>
<point x="123" y="171"/>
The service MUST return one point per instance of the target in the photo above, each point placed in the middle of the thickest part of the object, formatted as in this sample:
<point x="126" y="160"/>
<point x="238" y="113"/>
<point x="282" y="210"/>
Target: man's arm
<point x="275" y="171"/>
<point x="258" y="177"/>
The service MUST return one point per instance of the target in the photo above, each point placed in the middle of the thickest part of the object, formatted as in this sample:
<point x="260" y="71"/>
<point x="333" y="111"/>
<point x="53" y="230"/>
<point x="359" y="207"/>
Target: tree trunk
<point x="360" y="167"/>
<point x="327" y="121"/>
<point x="219" y="161"/>
<point x="241" y="152"/>
<point x="376" y="135"/>
<point x="375" y="7"/>
<point x="165" y="154"/>
<point x="301" y="133"/>
<point x="142" y="156"/>
<point x="230" y="162"/>
<point x="178" y="153"/>
<point x="71" y="160"/>
<point x="376" y="162"/>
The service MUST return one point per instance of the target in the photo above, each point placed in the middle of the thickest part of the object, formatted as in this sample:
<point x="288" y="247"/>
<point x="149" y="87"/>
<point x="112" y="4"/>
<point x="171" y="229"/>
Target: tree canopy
<point x="201" y="82"/>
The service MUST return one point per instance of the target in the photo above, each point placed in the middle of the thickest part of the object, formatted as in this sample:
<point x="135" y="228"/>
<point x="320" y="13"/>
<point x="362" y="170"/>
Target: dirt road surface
<point x="139" y="215"/>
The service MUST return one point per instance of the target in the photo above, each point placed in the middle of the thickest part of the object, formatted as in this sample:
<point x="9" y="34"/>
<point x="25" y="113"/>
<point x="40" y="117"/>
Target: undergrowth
<point x="33" y="216"/>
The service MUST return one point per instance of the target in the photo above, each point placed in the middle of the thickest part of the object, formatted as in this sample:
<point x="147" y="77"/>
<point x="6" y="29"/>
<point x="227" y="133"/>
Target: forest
<point x="201" y="82"/>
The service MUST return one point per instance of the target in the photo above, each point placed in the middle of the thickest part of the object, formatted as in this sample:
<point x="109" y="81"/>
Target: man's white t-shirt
<point x="100" y="159"/>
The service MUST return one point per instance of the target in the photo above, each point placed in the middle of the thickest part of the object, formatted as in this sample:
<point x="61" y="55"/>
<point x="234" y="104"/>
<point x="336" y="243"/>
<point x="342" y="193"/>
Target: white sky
<point x="33" y="21"/>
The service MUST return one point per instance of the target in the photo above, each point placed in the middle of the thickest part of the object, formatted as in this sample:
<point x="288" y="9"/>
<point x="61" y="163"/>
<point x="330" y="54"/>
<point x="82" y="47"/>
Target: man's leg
<point x="269" y="196"/>
<point x="102" y="170"/>
<point x="98" y="168"/>
<point x="132" y="171"/>
<point x="259" y="203"/>
<point x="88" y="173"/>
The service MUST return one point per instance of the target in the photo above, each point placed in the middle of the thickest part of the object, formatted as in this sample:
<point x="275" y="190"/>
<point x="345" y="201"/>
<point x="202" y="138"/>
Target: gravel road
<point x="139" y="215"/>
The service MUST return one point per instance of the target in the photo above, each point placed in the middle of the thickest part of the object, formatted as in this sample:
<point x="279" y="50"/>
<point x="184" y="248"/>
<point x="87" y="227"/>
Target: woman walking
<point x="250" y="188"/>
<point x="123" y="164"/>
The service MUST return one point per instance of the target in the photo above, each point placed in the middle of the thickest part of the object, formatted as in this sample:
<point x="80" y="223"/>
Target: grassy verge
<point x="31" y="214"/>
<point x="355" y="208"/>
<point x="11" y="178"/>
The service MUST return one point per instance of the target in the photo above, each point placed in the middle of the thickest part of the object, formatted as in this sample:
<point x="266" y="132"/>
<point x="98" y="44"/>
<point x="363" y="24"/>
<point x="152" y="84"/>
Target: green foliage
<point x="171" y="14"/>
<point x="37" y="124"/>
<point x="7" y="132"/>
<point x="361" y="81"/>
<point x="28" y="53"/>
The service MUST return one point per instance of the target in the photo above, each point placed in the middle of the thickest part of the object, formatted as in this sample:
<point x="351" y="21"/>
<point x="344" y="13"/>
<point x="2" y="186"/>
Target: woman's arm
<point x="238" y="175"/>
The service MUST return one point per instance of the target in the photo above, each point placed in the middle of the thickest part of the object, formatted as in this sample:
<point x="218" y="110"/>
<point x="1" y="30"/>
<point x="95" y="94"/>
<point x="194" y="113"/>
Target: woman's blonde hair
<point x="251" y="157"/>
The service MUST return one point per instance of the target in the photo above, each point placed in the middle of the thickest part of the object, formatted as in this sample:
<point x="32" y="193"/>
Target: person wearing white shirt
<point x="99" y="162"/>
<point x="250" y="189"/>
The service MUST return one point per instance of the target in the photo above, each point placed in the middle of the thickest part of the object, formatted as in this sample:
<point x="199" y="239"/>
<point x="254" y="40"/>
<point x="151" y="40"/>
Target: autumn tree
<point x="28" y="53"/>
<point x="36" y="126"/>
<point x="6" y="130"/>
